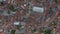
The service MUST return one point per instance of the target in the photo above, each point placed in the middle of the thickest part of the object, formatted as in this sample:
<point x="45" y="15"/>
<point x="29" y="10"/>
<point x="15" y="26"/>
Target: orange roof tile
<point x="0" y="32"/>
<point x="36" y="32"/>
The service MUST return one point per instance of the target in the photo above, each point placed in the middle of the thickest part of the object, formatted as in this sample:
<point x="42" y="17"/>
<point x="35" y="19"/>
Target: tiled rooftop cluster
<point x="29" y="16"/>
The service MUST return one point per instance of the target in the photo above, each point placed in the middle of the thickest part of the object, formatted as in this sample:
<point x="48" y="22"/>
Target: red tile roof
<point x="0" y="32"/>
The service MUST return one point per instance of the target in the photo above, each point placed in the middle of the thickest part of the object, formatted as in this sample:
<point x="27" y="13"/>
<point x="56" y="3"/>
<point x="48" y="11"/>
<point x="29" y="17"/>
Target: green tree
<point x="13" y="31"/>
<point x="47" y="32"/>
<point x="11" y="7"/>
<point x="41" y="31"/>
<point x="56" y="1"/>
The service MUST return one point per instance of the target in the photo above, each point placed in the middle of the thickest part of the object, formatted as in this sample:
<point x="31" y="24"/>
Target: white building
<point x="38" y="9"/>
<point x="16" y="23"/>
<point x="1" y="30"/>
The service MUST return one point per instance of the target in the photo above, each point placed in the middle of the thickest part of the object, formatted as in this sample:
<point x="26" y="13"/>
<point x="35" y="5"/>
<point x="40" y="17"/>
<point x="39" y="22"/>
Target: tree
<point x="34" y="30"/>
<point x="56" y="1"/>
<point x="38" y="1"/>
<point x="13" y="31"/>
<point x="54" y="24"/>
<point x="19" y="26"/>
<point x="41" y="31"/>
<point x="11" y="7"/>
<point x="48" y="31"/>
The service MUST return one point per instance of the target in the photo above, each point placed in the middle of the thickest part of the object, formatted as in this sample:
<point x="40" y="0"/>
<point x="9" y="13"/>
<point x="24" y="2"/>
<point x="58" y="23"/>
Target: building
<point x="1" y="31"/>
<point x="38" y="9"/>
<point x="16" y="23"/>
